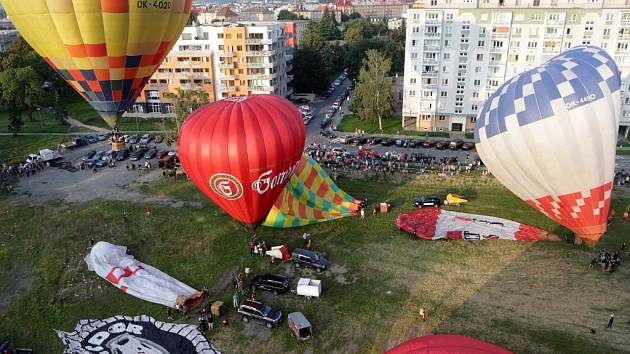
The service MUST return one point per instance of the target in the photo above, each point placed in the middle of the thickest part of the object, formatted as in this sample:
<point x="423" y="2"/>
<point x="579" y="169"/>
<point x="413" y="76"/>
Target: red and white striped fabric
<point x="112" y="263"/>
<point x="437" y="224"/>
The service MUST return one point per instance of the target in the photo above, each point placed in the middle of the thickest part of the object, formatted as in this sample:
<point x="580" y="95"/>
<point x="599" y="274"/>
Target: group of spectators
<point x="23" y="169"/>
<point x="622" y="178"/>
<point x="607" y="261"/>
<point x="338" y="161"/>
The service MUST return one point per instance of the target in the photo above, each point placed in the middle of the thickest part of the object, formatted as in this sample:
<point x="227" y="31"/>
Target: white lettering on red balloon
<point x="226" y="185"/>
<point x="266" y="181"/>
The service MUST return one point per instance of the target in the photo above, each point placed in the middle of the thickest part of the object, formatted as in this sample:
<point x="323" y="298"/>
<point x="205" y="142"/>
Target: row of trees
<point x="27" y="81"/>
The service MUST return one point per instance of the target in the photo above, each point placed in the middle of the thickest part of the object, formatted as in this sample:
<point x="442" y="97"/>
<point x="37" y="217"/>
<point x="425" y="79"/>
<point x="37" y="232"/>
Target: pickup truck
<point x="44" y="155"/>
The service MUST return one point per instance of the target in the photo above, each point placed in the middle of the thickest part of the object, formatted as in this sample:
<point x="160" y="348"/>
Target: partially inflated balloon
<point x="241" y="152"/>
<point x="105" y="49"/>
<point x="446" y="344"/>
<point x="549" y="135"/>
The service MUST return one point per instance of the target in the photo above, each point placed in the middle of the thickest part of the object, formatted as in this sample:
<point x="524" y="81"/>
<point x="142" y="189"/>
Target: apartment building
<point x="223" y="60"/>
<point x="458" y="52"/>
<point x="294" y="31"/>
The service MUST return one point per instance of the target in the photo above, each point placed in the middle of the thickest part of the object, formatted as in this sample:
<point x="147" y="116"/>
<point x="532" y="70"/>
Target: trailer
<point x="309" y="287"/>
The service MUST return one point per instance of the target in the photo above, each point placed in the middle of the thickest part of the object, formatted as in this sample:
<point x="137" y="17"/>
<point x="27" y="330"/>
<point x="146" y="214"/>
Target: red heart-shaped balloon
<point x="241" y="152"/>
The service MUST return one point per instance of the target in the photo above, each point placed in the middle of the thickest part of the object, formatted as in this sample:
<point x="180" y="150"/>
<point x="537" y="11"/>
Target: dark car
<point x="361" y="140"/>
<point x="146" y="138"/>
<point x="468" y="146"/>
<point x="387" y="142"/>
<point x="137" y="154"/>
<point x="275" y="283"/>
<point x="122" y="155"/>
<point x="327" y="133"/>
<point x="259" y="312"/>
<point x="100" y="163"/>
<point x="160" y="154"/>
<point x="428" y="201"/>
<point x="428" y="144"/>
<point x="134" y="139"/>
<point x="150" y="154"/>
<point x="301" y="100"/>
<point x="374" y="141"/>
<point x="455" y="144"/>
<point x="350" y="140"/>
<point x="88" y="155"/>
<point x="91" y="139"/>
<point x="441" y="145"/>
<point x="158" y="139"/>
<point x="401" y="142"/>
<point x="302" y="257"/>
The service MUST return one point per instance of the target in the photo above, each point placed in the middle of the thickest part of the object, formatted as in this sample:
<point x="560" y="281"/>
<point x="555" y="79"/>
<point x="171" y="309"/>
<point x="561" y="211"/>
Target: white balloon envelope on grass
<point x="549" y="135"/>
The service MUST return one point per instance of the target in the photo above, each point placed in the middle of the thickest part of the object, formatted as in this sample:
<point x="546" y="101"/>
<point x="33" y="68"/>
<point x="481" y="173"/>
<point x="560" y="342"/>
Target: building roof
<point x="226" y="12"/>
<point x="257" y="10"/>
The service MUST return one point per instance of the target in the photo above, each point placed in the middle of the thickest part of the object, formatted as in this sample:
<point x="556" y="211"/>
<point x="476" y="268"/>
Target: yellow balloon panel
<point x="105" y="49"/>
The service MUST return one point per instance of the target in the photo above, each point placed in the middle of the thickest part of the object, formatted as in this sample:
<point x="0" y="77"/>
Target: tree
<point x="186" y="101"/>
<point x="309" y="70"/>
<point x="312" y="38"/>
<point x="374" y="95"/>
<point x="30" y="86"/>
<point x="327" y="27"/>
<point x="10" y="97"/>
<point x="353" y="35"/>
<point x="286" y="15"/>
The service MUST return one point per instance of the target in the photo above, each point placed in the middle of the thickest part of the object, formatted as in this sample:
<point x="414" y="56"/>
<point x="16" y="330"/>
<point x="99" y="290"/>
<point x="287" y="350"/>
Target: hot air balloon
<point x="549" y="136"/>
<point x="241" y="152"/>
<point x="106" y="50"/>
<point x="446" y="344"/>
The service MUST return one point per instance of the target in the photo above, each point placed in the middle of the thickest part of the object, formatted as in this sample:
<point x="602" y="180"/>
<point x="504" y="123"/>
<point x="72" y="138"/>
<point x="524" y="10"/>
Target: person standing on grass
<point x="611" y="320"/>
<point x="169" y="314"/>
<point x="362" y="213"/>
<point x="247" y="271"/>
<point x="423" y="313"/>
<point x="235" y="299"/>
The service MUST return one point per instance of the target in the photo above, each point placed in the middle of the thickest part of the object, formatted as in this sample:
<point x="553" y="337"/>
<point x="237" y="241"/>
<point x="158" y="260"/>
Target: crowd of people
<point x="23" y="169"/>
<point x="607" y="261"/>
<point x="338" y="161"/>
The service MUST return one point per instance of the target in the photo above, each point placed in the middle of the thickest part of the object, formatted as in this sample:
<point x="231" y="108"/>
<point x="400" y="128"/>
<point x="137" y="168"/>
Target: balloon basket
<point x="118" y="146"/>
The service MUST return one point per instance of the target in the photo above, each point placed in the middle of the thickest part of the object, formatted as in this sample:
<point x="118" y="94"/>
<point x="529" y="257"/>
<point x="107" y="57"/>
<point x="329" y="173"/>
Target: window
<point x="553" y="17"/>
<point x="589" y="25"/>
<point x="239" y="36"/>
<point x="441" y="117"/>
<point x="416" y="16"/>
<point x="412" y="81"/>
<point x="449" y="16"/>
<point x="477" y="69"/>
<point x="479" y="57"/>
<point x="412" y="93"/>
<point x="481" y="43"/>
<point x="572" y="17"/>
<point x="444" y="68"/>
<point x="186" y="36"/>
<point x="497" y="44"/>
<point x="416" y="30"/>
<point x="610" y="17"/>
<point x="413" y="42"/>
<point x="219" y="35"/>
<point x="477" y="83"/>
<point x="414" y="55"/>
<point x="515" y="44"/>
<point x="537" y="17"/>
<point x="606" y="31"/>
<point x="517" y="30"/>
<point x="568" y="30"/>
<point x="447" y="43"/>
<point x="474" y="107"/>
<point x="475" y="94"/>
<point x="531" y="45"/>
<point x="530" y="58"/>
<point x="444" y="94"/>
<point x="586" y="42"/>
<point x="445" y="82"/>
<point x="447" y="56"/>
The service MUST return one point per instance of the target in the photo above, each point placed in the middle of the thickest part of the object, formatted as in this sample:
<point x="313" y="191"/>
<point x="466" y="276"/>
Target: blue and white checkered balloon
<point x="550" y="133"/>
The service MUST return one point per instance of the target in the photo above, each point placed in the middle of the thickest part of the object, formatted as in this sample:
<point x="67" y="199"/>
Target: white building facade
<point x="458" y="52"/>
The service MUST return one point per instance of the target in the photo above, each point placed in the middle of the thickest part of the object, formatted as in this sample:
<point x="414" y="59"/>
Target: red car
<point x="161" y="154"/>
<point x="369" y="153"/>
<point x="468" y="146"/>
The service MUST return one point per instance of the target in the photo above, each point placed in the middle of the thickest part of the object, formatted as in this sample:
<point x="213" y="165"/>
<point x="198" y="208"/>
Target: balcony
<point x="227" y="88"/>
<point x="429" y="61"/>
<point x="257" y="41"/>
<point x="260" y="53"/>
<point x="433" y="21"/>
<point x="288" y="57"/>
<point x="185" y="86"/>
<point x="553" y="36"/>
<point x="156" y="86"/>
<point x="227" y="66"/>
<point x="259" y="65"/>
<point x="187" y="64"/>
<point x="432" y="34"/>
<point x="429" y="73"/>
<point x="289" y="67"/>
<point x="227" y="77"/>
<point x="261" y="76"/>
<point x="290" y="78"/>
<point x="431" y="48"/>
<point x="225" y="53"/>
<point x="261" y="88"/>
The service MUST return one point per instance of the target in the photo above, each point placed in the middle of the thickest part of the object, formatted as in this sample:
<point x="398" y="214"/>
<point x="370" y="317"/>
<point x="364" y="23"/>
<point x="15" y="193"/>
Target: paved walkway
<point x="75" y="123"/>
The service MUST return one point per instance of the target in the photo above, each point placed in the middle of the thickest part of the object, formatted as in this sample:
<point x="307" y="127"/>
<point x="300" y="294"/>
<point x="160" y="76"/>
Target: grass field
<point x="527" y="297"/>
<point x="15" y="149"/>
<point x="83" y="112"/>
<point x="44" y="122"/>
<point x="351" y="123"/>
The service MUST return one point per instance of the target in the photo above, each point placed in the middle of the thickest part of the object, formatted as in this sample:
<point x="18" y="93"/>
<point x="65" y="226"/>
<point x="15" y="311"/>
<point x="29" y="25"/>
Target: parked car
<point x="337" y="83"/>
<point x="275" y="283"/>
<point x="337" y="151"/>
<point x="427" y="201"/>
<point x="302" y="257"/>
<point x="150" y="154"/>
<point x="361" y="140"/>
<point x="350" y="140"/>
<point x="468" y="146"/>
<point x="369" y="153"/>
<point x="133" y="139"/>
<point x="158" y="139"/>
<point x="400" y="142"/>
<point x="308" y="117"/>
<point x="146" y="138"/>
<point x="160" y="154"/>
<point x="327" y="133"/>
<point x="374" y="141"/>
<point x="428" y="144"/>
<point x="88" y="155"/>
<point x="251" y="310"/>
<point x="91" y="139"/>
<point x="455" y="144"/>
<point x="101" y="137"/>
<point x="387" y="142"/>
<point x="137" y="154"/>
<point x="441" y="145"/>
<point x="300" y="100"/>
<point x="172" y="153"/>
<point x="122" y="155"/>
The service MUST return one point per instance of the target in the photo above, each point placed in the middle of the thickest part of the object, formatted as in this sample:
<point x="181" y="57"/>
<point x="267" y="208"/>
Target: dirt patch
<point x="340" y="274"/>
<point x="225" y="281"/>
<point x="260" y="333"/>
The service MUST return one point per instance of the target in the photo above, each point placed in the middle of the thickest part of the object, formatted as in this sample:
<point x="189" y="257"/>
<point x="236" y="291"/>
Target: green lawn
<point x="15" y="149"/>
<point x="44" y="122"/>
<point x="527" y="297"/>
<point x="623" y="152"/>
<point x="351" y="123"/>
<point x="83" y="112"/>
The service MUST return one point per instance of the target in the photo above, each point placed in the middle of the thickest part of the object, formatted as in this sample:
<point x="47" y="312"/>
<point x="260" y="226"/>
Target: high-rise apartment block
<point x="458" y="52"/>
<point x="224" y="60"/>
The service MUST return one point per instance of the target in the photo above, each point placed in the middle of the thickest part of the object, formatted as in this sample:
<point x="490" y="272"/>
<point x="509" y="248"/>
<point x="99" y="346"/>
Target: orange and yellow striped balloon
<point x="105" y="49"/>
